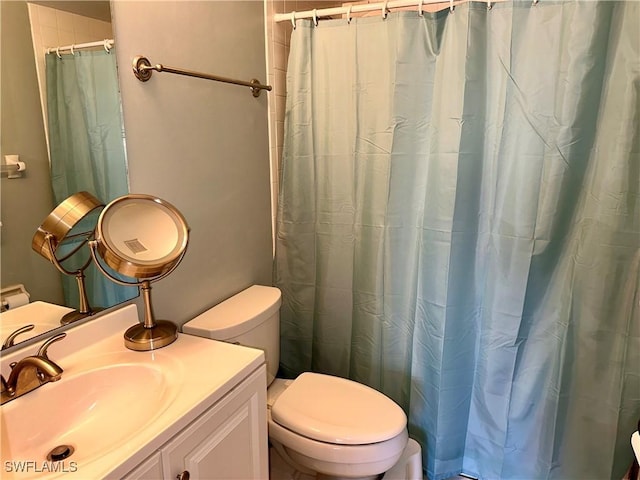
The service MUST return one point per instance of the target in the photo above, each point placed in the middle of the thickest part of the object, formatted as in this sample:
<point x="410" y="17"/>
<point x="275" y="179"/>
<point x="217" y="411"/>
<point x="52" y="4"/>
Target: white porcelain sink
<point x="92" y="412"/>
<point x="114" y="406"/>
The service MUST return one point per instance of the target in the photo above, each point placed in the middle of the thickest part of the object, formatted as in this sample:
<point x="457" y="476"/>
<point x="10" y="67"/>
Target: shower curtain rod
<point x="383" y="7"/>
<point x="107" y="44"/>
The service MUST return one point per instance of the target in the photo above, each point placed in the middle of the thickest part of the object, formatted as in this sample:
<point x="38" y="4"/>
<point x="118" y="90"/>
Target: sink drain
<point x="60" y="453"/>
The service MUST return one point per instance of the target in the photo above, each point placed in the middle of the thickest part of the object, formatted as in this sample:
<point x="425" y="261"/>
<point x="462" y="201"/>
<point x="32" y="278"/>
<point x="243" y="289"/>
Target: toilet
<point x="321" y="425"/>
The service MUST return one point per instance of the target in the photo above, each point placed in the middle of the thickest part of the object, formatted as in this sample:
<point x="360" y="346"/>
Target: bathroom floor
<point x="279" y="470"/>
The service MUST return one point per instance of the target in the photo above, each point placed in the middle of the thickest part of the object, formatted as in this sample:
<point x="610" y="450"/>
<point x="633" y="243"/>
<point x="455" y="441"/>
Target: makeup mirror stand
<point x="57" y="230"/>
<point x="84" y="309"/>
<point x="152" y="333"/>
<point x="144" y="238"/>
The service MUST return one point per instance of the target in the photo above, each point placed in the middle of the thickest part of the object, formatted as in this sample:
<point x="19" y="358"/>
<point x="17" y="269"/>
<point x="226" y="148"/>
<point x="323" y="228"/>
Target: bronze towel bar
<point x="142" y="69"/>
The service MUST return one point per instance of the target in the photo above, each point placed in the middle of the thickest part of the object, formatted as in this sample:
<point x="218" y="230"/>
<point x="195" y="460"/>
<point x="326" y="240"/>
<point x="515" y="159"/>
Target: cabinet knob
<point x="183" y="476"/>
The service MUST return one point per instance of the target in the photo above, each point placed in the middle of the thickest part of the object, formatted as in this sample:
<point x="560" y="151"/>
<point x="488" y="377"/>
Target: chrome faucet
<point x="31" y="372"/>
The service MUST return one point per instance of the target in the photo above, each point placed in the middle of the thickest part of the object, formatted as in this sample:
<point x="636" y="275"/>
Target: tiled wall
<point x="51" y="28"/>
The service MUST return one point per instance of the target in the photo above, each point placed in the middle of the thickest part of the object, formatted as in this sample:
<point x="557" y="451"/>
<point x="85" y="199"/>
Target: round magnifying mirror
<point x="143" y="237"/>
<point x="75" y="216"/>
<point x="62" y="234"/>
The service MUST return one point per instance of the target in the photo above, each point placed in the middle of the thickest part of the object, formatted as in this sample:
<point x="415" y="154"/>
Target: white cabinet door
<point x="150" y="469"/>
<point x="229" y="441"/>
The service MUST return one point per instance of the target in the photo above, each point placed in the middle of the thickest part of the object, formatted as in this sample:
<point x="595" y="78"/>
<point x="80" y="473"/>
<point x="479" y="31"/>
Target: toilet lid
<point x="335" y="410"/>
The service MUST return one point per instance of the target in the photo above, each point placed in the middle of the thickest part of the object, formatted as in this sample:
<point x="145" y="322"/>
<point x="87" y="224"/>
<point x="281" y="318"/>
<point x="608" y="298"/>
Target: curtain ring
<point x="535" y="2"/>
<point x="349" y="13"/>
<point x="489" y="5"/>
<point x="58" y="52"/>
<point x="384" y="9"/>
<point x="293" y="19"/>
<point x="420" y="12"/>
<point x="315" y="17"/>
<point x="72" y="52"/>
<point x="451" y="7"/>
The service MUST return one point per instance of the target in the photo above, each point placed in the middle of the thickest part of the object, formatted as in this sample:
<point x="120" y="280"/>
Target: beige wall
<point x="25" y="201"/>
<point x="199" y="144"/>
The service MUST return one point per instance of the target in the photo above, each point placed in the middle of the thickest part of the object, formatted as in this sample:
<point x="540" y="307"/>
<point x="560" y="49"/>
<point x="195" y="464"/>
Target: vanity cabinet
<point x="150" y="468"/>
<point x="228" y="441"/>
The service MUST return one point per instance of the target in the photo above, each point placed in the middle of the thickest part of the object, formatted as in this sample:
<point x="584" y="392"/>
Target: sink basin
<point x="91" y="412"/>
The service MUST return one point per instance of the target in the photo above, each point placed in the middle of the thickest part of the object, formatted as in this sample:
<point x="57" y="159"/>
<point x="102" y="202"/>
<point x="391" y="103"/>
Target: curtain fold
<point x="86" y="143"/>
<point x="459" y="227"/>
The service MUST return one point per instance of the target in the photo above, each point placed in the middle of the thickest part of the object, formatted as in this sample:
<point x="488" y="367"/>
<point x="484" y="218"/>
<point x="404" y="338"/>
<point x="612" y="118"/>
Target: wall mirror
<point x="28" y="114"/>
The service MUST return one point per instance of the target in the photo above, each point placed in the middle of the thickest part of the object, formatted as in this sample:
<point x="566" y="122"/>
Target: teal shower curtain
<point x="459" y="227"/>
<point x="86" y="144"/>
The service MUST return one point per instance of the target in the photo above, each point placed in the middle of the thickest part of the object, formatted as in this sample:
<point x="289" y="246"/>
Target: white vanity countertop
<point x="195" y="372"/>
<point x="42" y="315"/>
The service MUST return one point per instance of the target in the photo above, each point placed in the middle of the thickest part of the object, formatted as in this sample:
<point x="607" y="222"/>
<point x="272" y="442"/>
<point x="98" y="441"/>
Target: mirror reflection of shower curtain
<point x="459" y="227"/>
<point x="86" y="141"/>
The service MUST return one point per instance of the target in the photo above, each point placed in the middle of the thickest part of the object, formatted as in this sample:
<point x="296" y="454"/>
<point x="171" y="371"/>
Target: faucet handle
<point x="11" y="338"/>
<point x="42" y="351"/>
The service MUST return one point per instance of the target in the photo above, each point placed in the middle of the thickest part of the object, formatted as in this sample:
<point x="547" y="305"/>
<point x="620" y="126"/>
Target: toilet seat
<point x="339" y="460"/>
<point x="337" y="411"/>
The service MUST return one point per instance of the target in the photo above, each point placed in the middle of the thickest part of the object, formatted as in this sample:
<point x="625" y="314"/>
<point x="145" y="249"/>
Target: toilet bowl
<point x="321" y="425"/>
<point x="324" y="424"/>
<point x="336" y="461"/>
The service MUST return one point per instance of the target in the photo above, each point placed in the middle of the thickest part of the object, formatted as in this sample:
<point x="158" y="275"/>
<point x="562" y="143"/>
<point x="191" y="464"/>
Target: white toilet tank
<point x="250" y="318"/>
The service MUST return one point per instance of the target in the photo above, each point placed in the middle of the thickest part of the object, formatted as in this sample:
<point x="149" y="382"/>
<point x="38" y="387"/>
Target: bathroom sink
<point x="88" y="413"/>
<point x="113" y="406"/>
